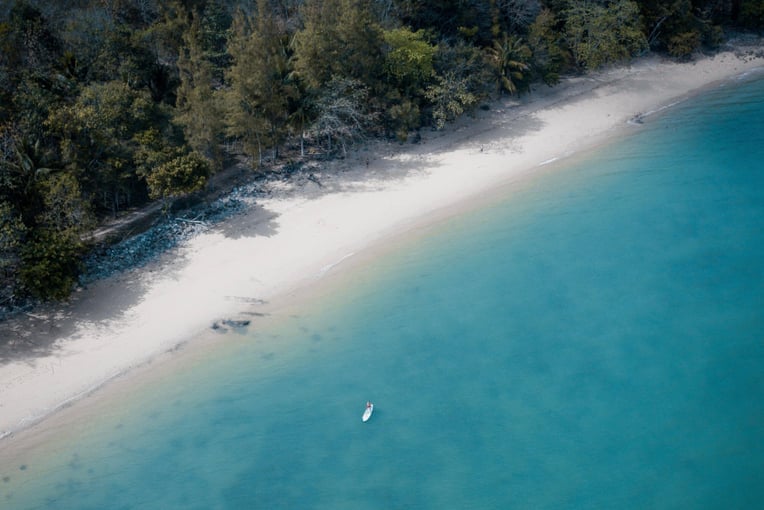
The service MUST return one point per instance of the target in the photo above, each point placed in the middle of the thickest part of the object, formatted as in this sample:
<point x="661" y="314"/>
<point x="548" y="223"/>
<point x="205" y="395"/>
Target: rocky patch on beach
<point x="225" y="325"/>
<point x="172" y="229"/>
<point x="136" y="246"/>
<point x="166" y="233"/>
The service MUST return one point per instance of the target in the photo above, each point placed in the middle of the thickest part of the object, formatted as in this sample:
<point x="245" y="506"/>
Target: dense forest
<point x="108" y="104"/>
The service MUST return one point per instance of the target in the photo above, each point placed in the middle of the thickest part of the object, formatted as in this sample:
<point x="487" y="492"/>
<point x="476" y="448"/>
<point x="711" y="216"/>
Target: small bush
<point x="684" y="44"/>
<point x="50" y="263"/>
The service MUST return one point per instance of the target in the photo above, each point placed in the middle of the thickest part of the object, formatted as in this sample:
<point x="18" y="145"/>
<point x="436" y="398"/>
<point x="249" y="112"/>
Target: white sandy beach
<point x="288" y="241"/>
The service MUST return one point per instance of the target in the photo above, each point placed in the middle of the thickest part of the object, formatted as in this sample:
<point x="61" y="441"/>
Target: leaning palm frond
<point x="509" y="57"/>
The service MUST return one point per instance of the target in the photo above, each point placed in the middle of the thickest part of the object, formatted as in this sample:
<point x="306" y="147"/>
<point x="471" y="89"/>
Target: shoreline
<point x="287" y="244"/>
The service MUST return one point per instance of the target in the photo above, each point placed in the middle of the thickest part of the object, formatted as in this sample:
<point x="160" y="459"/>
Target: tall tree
<point x="186" y="173"/>
<point x="510" y="58"/>
<point x="29" y="41"/>
<point x="197" y="105"/>
<point x="450" y="18"/>
<point x="599" y="35"/>
<point x="42" y="215"/>
<point x="681" y="26"/>
<point x="409" y="70"/>
<point x="97" y="139"/>
<point x="260" y="81"/>
<point x="550" y="57"/>
<point x="516" y="16"/>
<point x="752" y="13"/>
<point x="461" y="80"/>
<point x="85" y="33"/>
<point x="12" y="234"/>
<point x="409" y="60"/>
<point x="342" y="116"/>
<point x="339" y="40"/>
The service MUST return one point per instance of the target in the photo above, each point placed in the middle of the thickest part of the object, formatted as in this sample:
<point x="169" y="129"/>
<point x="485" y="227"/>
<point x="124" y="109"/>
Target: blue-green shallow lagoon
<point x="595" y="340"/>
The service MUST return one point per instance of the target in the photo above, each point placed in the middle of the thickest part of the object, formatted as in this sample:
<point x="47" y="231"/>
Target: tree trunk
<point x="259" y="151"/>
<point x="654" y="32"/>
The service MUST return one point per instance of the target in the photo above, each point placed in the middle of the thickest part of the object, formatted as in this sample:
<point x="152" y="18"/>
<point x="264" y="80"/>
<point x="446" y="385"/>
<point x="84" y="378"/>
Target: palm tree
<point x="23" y="163"/>
<point x="509" y="57"/>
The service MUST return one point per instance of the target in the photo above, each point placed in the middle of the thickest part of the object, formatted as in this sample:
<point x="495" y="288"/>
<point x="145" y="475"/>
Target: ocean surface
<point x="593" y="340"/>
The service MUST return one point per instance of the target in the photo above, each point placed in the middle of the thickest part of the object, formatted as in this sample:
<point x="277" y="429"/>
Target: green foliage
<point x="179" y="176"/>
<point x="599" y="35"/>
<point x="510" y="58"/>
<point x="197" y="106"/>
<point x="152" y="150"/>
<point x="516" y="16"/>
<point x="50" y="263"/>
<point x="29" y="38"/>
<point x="214" y="23"/>
<point x="339" y="40"/>
<point x="684" y="44"/>
<point x="12" y="235"/>
<point x="462" y="80"/>
<point x="404" y="116"/>
<point x="261" y="82"/>
<point x="64" y="209"/>
<point x="97" y="140"/>
<point x="23" y="163"/>
<point x="450" y="18"/>
<point x="410" y="70"/>
<point x="409" y="59"/>
<point x="84" y="38"/>
<point x="681" y="27"/>
<point x="341" y="113"/>
<point x="450" y="97"/>
<point x="40" y="229"/>
<point x="752" y="13"/>
<point x="550" y="57"/>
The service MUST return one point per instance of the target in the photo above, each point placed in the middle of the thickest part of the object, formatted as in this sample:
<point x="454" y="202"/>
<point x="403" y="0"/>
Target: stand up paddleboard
<point x="368" y="411"/>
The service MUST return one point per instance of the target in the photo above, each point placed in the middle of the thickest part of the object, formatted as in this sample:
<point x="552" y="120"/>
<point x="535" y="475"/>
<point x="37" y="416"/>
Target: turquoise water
<point x="596" y="340"/>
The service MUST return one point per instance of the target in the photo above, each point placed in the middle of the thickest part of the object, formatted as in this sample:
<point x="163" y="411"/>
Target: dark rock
<point x="236" y="323"/>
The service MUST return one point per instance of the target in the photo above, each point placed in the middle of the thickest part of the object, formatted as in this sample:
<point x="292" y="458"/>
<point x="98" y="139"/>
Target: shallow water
<point x="595" y="340"/>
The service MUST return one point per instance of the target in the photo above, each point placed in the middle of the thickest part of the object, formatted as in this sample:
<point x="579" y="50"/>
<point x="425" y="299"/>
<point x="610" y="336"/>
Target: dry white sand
<point x="289" y="240"/>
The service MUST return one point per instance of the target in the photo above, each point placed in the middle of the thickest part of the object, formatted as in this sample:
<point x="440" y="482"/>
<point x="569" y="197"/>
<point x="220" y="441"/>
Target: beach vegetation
<point x="684" y="44"/>
<point x="260" y="80"/>
<point x="338" y="39"/>
<point x="752" y="13"/>
<point x="510" y="58"/>
<point x="12" y="235"/>
<point x="198" y="106"/>
<point x="181" y="175"/>
<point x="342" y="115"/>
<point x="50" y="263"/>
<point x="550" y="56"/>
<point x="409" y="60"/>
<point x="409" y="65"/>
<point x="682" y="27"/>
<point x="600" y="34"/>
<point x="106" y="106"/>
<point x="462" y="80"/>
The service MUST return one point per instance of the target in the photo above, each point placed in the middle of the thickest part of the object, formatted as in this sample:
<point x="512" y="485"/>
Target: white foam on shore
<point x="549" y="161"/>
<point x="331" y="266"/>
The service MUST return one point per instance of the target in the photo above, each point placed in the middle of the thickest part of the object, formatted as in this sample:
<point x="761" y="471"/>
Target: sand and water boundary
<point x="289" y="243"/>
